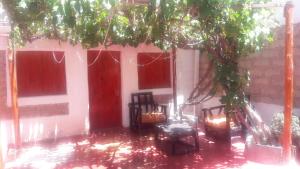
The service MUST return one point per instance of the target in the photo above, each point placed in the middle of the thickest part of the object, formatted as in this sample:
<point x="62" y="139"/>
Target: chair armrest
<point x="208" y="111"/>
<point x="135" y="113"/>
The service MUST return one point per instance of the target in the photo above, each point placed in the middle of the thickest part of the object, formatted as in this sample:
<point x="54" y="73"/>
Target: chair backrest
<point x="214" y="111"/>
<point x="143" y="100"/>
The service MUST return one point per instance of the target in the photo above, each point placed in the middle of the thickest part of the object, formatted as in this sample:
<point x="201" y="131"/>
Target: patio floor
<point x="119" y="148"/>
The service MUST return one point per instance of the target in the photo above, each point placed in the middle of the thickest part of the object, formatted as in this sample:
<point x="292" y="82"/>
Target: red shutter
<point x="154" y="70"/>
<point x="38" y="73"/>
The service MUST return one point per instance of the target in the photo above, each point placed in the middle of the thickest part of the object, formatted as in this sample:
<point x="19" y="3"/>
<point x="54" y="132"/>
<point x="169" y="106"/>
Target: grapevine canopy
<point x="227" y="29"/>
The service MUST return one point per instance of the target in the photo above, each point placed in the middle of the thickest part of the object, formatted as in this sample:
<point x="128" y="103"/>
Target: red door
<point x="104" y="75"/>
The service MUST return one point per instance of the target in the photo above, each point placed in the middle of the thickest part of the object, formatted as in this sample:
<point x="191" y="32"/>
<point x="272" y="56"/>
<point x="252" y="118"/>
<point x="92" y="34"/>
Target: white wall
<point x="34" y="129"/>
<point x="187" y="76"/>
<point x="129" y="75"/>
<point x="76" y="122"/>
<point x="3" y="130"/>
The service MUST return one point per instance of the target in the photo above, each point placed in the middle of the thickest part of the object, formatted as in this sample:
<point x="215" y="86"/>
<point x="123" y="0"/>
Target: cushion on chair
<point x="216" y="121"/>
<point x="153" y="117"/>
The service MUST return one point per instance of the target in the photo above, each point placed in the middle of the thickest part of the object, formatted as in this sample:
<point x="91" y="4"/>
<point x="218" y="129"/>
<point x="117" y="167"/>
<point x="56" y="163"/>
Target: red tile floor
<point x="119" y="148"/>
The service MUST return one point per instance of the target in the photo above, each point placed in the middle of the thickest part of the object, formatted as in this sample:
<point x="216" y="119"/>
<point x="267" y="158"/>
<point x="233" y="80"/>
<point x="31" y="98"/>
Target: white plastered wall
<point x="187" y="76"/>
<point x="3" y="130"/>
<point x="76" y="122"/>
<point x="37" y="128"/>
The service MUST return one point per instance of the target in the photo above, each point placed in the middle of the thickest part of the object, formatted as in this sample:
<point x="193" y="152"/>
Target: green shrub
<point x="277" y="126"/>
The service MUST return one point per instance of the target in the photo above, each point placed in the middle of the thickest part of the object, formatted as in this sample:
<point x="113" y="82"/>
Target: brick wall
<point x="267" y="70"/>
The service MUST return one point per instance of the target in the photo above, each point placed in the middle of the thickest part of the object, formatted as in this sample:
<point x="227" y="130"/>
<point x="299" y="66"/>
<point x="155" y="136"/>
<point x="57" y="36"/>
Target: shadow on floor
<point x="120" y="148"/>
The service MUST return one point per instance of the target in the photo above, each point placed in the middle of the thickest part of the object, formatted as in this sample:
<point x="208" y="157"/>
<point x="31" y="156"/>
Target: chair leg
<point x="173" y="147"/>
<point x="196" y="141"/>
<point x="139" y="129"/>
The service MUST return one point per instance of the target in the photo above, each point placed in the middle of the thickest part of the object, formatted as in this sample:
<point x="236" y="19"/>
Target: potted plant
<point x="268" y="149"/>
<point x="277" y="128"/>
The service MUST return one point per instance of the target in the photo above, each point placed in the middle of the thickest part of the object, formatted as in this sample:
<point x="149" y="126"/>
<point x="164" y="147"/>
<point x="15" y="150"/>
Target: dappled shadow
<point x="123" y="149"/>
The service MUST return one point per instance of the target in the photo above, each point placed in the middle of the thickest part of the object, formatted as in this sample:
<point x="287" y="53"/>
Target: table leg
<point x="196" y="140"/>
<point x="156" y="135"/>
<point x="173" y="147"/>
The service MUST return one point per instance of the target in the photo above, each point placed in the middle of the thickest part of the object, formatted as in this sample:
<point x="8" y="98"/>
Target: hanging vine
<point x="228" y="30"/>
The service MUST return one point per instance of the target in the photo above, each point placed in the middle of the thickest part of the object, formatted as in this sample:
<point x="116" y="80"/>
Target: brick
<point x="257" y="71"/>
<point x="297" y="103"/>
<point x="254" y="97"/>
<point x="256" y="76"/>
<point x="261" y="62"/>
<point x="297" y="86"/>
<point x="279" y="33"/>
<point x="269" y="91"/>
<point x="278" y="101"/>
<point x="262" y="81"/>
<point x="296" y="83"/>
<point x="273" y="53"/>
<point x="255" y="55"/>
<point x="297" y="30"/>
<point x="254" y="90"/>
<point x="270" y="71"/>
<point x="277" y="63"/>
<point x="277" y="79"/>
<point x="278" y="42"/>
<point x="265" y="99"/>
<point x="297" y="41"/>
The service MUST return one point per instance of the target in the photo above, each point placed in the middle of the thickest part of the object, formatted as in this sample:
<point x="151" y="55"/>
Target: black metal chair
<point x="216" y="122"/>
<point x="144" y="111"/>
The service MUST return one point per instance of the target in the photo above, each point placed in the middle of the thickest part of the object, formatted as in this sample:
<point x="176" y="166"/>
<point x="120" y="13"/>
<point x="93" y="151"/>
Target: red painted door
<point x="104" y="76"/>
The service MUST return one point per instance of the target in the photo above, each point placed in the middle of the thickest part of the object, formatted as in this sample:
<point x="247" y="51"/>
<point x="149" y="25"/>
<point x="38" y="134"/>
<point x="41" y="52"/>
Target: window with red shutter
<point x="40" y="73"/>
<point x="154" y="70"/>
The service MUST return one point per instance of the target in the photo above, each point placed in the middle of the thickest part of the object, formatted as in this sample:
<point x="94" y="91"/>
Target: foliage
<point x="227" y="29"/>
<point x="277" y="125"/>
<point x="231" y="31"/>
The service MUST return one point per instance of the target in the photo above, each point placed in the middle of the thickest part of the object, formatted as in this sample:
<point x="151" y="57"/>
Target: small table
<point x="176" y="131"/>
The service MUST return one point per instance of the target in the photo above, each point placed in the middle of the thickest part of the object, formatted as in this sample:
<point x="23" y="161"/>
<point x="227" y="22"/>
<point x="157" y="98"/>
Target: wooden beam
<point x="1" y="163"/>
<point x="289" y="70"/>
<point x="1" y="157"/>
<point x="174" y="81"/>
<point x="14" y="96"/>
<point x="266" y="5"/>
